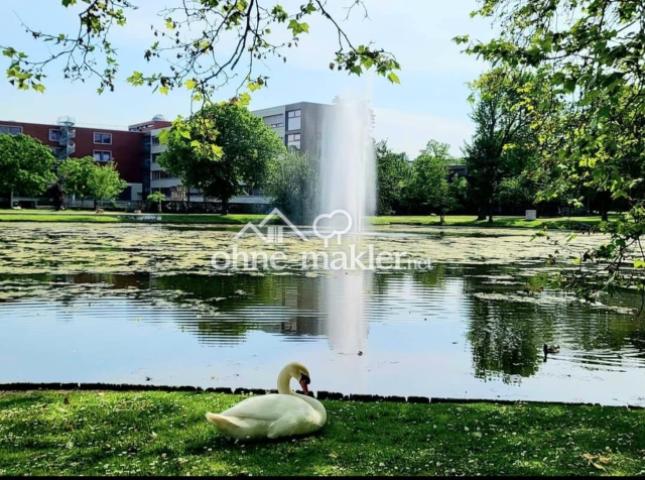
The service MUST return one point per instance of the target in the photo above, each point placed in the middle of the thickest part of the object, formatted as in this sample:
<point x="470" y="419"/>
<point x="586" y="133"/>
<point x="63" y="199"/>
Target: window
<point x="293" y="120"/>
<point x="155" y="141"/>
<point x="274" y="121"/>
<point x="10" y="130"/>
<point x="103" y="138"/>
<point x="293" y="140"/>
<point x="160" y="175"/>
<point x="102" y="156"/>
<point x="54" y="135"/>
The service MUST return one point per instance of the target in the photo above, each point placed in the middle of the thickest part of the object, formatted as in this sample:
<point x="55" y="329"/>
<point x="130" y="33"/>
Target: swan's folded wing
<point x="266" y="407"/>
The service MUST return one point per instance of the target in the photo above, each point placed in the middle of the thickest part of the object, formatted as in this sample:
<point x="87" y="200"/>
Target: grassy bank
<point x="165" y="433"/>
<point x="562" y="223"/>
<point x="123" y="217"/>
<point x="558" y="223"/>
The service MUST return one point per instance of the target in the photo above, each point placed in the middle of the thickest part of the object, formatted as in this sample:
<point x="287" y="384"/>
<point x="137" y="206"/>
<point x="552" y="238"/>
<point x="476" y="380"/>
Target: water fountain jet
<point x="348" y="183"/>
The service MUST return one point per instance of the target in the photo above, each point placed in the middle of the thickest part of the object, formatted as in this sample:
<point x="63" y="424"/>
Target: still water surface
<point x="455" y="331"/>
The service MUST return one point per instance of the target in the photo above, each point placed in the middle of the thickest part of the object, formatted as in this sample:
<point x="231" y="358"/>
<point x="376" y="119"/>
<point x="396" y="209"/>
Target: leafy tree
<point x="591" y="55"/>
<point x="293" y="182"/>
<point x="458" y="191"/>
<point x="76" y="174"/>
<point x="26" y="166"/>
<point x="190" y="40"/>
<point x="438" y="149"/>
<point x="393" y="175"/>
<point x="503" y="139"/>
<point x="222" y="150"/>
<point x="105" y="183"/>
<point x="430" y="188"/>
<point x="156" y="197"/>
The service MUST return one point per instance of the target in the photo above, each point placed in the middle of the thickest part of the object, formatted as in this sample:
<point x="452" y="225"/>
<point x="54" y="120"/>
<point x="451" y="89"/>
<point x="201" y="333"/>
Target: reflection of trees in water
<point x="283" y="305"/>
<point x="506" y="336"/>
<point x="433" y="278"/>
<point x="506" y="339"/>
<point x="589" y="329"/>
<point x="383" y="282"/>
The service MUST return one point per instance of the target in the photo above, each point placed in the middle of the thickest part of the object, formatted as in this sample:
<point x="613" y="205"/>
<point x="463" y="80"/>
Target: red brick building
<point x="129" y="150"/>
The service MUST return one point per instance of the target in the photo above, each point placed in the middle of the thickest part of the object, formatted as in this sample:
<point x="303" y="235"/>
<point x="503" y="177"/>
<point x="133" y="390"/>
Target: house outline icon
<point x="275" y="233"/>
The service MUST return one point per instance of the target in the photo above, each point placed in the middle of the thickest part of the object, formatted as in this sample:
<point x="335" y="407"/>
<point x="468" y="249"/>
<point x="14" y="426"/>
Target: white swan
<point x="275" y="415"/>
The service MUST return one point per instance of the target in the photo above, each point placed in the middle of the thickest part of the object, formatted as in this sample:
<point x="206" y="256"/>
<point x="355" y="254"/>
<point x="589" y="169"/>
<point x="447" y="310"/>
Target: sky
<point x="430" y="102"/>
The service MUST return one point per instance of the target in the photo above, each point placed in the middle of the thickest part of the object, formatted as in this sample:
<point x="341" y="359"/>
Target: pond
<point x="147" y="308"/>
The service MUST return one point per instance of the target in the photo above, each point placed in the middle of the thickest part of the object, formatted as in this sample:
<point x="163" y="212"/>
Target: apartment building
<point x="298" y="124"/>
<point x="125" y="148"/>
<point x="136" y="151"/>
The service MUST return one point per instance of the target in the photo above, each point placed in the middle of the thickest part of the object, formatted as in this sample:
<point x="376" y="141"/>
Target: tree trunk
<point x="489" y="211"/>
<point x="224" y="206"/>
<point x="96" y="204"/>
<point x="59" y="197"/>
<point x="604" y="206"/>
<point x="159" y="207"/>
<point x="11" y="198"/>
<point x="60" y="204"/>
<point x="604" y="210"/>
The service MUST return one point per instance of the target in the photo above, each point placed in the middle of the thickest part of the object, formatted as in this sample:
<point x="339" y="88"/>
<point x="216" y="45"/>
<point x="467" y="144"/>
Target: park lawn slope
<point x="158" y="433"/>
<point x="116" y="217"/>
<point x="559" y="223"/>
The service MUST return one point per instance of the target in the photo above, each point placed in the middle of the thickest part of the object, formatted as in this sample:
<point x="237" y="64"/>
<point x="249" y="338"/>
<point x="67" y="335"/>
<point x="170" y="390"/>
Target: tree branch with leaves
<point x="192" y="42"/>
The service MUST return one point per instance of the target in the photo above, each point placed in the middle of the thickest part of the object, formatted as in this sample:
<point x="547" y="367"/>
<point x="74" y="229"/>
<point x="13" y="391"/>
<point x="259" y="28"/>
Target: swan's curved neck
<point x="283" y="382"/>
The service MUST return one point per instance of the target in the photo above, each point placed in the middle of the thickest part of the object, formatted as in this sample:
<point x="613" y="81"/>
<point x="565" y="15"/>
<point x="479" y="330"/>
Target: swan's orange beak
<point x="304" y="383"/>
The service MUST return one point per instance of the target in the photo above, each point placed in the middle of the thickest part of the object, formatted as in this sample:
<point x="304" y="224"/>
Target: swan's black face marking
<point x="304" y="382"/>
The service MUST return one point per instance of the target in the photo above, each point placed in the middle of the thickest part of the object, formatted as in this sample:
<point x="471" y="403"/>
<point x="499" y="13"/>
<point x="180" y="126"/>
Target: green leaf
<point x="298" y="27"/>
<point x="163" y="137"/>
<point x="253" y="86"/>
<point x="217" y="151"/>
<point x="136" y="79"/>
<point x="393" y="77"/>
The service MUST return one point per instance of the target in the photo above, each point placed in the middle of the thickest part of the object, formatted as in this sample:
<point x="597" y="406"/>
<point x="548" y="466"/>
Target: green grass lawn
<point x="7" y="215"/>
<point x="565" y="223"/>
<point x="156" y="433"/>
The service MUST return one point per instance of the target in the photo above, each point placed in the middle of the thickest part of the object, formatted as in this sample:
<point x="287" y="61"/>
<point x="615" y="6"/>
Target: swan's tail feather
<point x="223" y="422"/>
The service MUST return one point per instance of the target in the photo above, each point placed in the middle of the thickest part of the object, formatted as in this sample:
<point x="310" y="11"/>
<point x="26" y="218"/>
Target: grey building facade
<point x="300" y="125"/>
